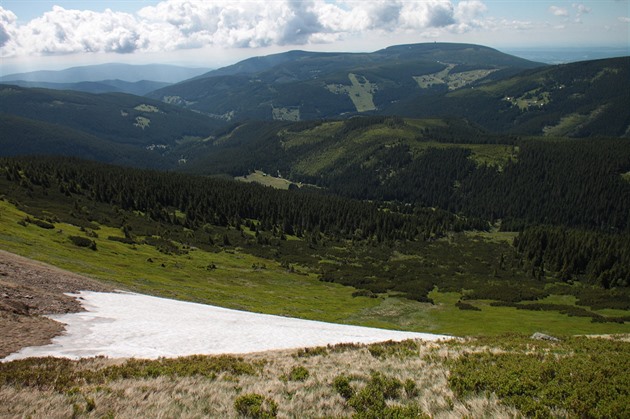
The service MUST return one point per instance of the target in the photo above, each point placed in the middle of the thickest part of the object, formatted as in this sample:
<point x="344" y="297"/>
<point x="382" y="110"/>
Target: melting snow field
<point x="121" y="325"/>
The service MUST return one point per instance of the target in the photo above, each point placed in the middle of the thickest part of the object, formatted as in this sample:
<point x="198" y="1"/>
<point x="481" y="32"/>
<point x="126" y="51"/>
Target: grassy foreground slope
<point x="521" y="377"/>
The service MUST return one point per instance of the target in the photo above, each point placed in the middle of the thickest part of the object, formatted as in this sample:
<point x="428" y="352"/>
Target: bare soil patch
<point x="30" y="289"/>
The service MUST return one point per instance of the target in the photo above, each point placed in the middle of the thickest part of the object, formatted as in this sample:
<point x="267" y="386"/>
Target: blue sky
<point x="210" y="33"/>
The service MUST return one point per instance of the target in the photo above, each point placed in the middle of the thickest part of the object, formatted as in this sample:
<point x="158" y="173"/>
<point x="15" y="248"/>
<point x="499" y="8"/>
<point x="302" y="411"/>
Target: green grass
<point x="533" y="98"/>
<point x="320" y="162"/>
<point x="315" y="135"/>
<point x="234" y="283"/>
<point x="359" y="145"/>
<point x="494" y="235"/>
<point x="493" y="321"/>
<point x="239" y="282"/>
<point x="142" y="122"/>
<point x="265" y="180"/>
<point x="146" y="108"/>
<point x="488" y="154"/>
<point x="286" y="114"/>
<point x="452" y="80"/>
<point x="360" y="92"/>
<point x="565" y="126"/>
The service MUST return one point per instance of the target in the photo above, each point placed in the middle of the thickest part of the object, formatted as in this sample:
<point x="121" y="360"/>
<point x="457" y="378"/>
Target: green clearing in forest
<point x="266" y="180"/>
<point x="361" y="92"/>
<point x="328" y="148"/>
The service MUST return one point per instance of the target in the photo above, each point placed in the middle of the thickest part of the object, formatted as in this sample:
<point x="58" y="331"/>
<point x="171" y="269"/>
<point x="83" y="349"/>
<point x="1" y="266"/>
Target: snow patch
<point x="125" y="325"/>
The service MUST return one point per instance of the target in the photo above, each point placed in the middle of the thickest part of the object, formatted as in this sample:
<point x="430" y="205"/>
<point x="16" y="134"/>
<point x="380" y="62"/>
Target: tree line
<point x="193" y="201"/>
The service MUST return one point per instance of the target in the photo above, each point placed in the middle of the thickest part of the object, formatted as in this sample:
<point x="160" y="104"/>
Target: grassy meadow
<point x="231" y="277"/>
<point x="328" y="152"/>
<point x="265" y="179"/>
<point x="228" y="278"/>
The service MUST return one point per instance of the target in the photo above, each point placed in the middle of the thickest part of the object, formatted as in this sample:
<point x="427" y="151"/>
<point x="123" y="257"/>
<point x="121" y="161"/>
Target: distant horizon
<point x="545" y="54"/>
<point x="58" y="34"/>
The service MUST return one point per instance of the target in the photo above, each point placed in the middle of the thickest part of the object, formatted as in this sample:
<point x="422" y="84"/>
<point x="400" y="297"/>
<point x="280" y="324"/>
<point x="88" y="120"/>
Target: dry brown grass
<point x="193" y="397"/>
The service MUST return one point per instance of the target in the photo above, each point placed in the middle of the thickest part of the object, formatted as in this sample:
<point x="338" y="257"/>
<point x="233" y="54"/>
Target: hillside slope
<point x="22" y="137"/>
<point x="447" y="163"/>
<point x="299" y="85"/>
<point x="579" y="100"/>
<point x="115" y="117"/>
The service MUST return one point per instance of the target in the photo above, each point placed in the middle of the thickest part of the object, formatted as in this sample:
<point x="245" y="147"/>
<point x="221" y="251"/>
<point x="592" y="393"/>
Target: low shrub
<point x="195" y="365"/>
<point x="411" y="389"/>
<point x="308" y="352"/>
<point x="341" y="384"/>
<point x="121" y="239"/>
<point x="256" y="406"/>
<point x="298" y="373"/>
<point x="61" y="374"/>
<point x="569" y="310"/>
<point x="40" y="373"/>
<point x="466" y="306"/>
<point x="583" y="376"/>
<point x="370" y="401"/>
<point x="83" y="242"/>
<point x="364" y="293"/>
<point x="42" y="224"/>
<point x="403" y="349"/>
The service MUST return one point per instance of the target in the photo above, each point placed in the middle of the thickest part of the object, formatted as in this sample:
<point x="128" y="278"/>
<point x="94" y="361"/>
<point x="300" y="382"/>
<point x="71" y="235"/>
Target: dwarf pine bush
<point x="298" y="373"/>
<point x="585" y="377"/>
<point x="256" y="406"/>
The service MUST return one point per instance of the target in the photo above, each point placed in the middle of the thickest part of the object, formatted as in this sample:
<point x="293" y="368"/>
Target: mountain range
<point x="500" y="92"/>
<point x="212" y="120"/>
<point x="163" y="73"/>
<point x="106" y="78"/>
<point x="443" y="188"/>
<point x="112" y="127"/>
<point x="139" y="88"/>
<point x="300" y="85"/>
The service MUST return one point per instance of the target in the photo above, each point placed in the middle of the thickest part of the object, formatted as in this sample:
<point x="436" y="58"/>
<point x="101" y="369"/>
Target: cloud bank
<point x="184" y="24"/>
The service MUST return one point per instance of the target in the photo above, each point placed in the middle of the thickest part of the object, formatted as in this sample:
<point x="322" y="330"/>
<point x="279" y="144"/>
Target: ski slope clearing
<point x="124" y="325"/>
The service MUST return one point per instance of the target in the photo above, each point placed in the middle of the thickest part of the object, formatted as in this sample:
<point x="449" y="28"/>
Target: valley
<point x="436" y="188"/>
<point x="326" y="272"/>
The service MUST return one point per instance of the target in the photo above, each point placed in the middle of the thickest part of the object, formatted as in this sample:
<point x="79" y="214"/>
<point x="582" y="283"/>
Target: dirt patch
<point x="30" y="289"/>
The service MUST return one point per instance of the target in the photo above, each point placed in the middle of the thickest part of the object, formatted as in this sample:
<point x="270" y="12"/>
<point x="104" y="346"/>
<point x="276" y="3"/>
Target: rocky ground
<point x="29" y="290"/>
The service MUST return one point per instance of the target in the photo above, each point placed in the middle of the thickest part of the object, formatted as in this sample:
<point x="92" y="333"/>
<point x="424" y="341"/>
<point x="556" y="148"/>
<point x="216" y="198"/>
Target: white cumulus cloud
<point x="181" y="24"/>
<point x="7" y="26"/>
<point x="581" y="9"/>
<point x="559" y="11"/>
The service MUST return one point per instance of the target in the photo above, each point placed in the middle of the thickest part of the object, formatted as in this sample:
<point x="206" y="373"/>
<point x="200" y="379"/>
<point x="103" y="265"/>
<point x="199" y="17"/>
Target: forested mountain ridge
<point x="576" y="100"/>
<point x="499" y="92"/>
<point x="22" y="136"/>
<point x="138" y="88"/>
<point x="163" y="73"/>
<point x="579" y="99"/>
<point x="115" y="127"/>
<point x="298" y="85"/>
<point x="449" y="164"/>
